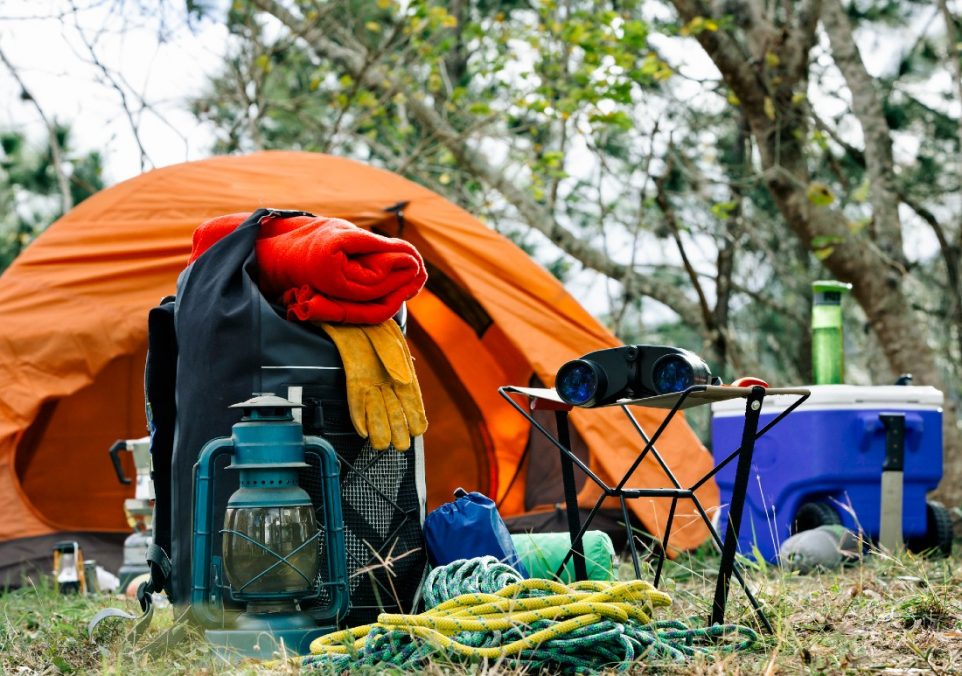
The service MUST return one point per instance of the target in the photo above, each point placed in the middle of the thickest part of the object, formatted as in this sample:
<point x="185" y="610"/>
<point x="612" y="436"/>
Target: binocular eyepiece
<point x="629" y="372"/>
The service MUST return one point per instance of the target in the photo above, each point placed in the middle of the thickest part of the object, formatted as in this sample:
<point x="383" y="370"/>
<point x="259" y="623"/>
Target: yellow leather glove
<point x="382" y="389"/>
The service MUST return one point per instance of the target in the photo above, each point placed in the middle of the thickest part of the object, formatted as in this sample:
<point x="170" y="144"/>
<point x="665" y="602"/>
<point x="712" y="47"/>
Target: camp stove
<point x="139" y="509"/>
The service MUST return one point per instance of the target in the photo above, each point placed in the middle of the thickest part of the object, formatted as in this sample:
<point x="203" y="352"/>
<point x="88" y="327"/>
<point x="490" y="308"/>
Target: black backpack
<point x="214" y="345"/>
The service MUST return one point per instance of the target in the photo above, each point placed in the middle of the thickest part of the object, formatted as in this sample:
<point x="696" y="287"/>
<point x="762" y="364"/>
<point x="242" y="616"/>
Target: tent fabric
<point x="73" y="312"/>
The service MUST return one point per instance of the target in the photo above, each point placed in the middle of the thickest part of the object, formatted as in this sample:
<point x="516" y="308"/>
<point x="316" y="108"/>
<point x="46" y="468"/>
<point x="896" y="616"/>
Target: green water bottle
<point x="828" y="350"/>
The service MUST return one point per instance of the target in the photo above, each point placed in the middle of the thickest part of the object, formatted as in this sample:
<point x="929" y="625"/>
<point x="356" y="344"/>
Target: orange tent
<point x="73" y="311"/>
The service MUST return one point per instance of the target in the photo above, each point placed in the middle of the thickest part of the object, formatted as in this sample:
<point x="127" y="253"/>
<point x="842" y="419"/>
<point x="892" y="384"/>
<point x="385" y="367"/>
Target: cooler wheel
<point x="811" y="515"/>
<point x="938" y="532"/>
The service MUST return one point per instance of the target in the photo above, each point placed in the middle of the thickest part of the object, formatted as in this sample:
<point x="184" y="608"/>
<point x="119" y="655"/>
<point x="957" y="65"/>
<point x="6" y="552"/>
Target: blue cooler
<point x="825" y="457"/>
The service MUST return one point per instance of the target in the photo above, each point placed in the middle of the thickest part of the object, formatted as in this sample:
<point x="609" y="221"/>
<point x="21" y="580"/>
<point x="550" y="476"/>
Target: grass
<point x="889" y="614"/>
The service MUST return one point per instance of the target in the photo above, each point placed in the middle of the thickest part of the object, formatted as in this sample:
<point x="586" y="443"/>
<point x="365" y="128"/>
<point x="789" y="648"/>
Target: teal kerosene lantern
<point x="273" y="537"/>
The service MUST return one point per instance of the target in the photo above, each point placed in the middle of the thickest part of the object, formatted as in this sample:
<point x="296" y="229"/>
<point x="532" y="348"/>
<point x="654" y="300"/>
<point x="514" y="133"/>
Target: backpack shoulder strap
<point x="160" y="384"/>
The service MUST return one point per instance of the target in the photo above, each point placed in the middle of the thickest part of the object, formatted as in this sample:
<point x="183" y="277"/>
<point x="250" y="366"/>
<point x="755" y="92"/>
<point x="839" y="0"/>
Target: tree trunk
<point x="778" y="124"/>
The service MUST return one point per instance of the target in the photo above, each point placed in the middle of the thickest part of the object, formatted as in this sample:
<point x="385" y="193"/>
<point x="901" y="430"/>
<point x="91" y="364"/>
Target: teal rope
<point x="603" y="645"/>
<point x="484" y="574"/>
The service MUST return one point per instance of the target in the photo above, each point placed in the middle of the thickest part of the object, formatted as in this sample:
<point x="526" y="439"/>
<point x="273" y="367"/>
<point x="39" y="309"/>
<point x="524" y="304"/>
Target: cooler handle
<point x="872" y="425"/>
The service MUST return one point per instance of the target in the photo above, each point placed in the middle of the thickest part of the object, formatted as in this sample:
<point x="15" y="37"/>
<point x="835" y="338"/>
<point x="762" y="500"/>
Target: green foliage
<point x="574" y="104"/>
<point x="30" y="196"/>
<point x="589" y="65"/>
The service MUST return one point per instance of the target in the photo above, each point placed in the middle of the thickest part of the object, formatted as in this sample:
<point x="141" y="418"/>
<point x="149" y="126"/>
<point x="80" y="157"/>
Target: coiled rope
<point x="473" y="615"/>
<point x="466" y="576"/>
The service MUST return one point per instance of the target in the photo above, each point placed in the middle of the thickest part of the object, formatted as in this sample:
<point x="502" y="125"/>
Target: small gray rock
<point x="825" y="547"/>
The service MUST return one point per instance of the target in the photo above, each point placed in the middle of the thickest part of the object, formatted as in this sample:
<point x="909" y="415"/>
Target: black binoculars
<point x="629" y="372"/>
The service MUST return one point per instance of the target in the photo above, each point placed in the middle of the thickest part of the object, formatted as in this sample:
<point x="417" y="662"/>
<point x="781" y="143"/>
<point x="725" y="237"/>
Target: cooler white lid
<point x="828" y="397"/>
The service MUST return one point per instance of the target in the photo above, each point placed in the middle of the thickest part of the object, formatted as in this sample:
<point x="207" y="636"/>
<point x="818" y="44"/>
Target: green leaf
<point x="11" y="143"/>
<point x="479" y="108"/>
<point x="574" y="32"/>
<point x="722" y="210"/>
<point x="552" y="158"/>
<point x="635" y="35"/>
<point x="617" y="118"/>
<point x="769" y="108"/>
<point x="818" y="136"/>
<point x="698" y="25"/>
<point x="825" y="252"/>
<point x="861" y="192"/>
<point x="62" y="665"/>
<point x="366" y="99"/>
<point x="822" y="241"/>
<point x="819" y="194"/>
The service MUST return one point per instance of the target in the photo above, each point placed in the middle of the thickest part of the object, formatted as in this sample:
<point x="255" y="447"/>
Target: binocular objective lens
<point x="673" y="374"/>
<point x="577" y="383"/>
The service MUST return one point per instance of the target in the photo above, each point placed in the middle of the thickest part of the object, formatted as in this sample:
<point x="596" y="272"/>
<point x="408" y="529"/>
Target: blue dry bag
<point x="466" y="528"/>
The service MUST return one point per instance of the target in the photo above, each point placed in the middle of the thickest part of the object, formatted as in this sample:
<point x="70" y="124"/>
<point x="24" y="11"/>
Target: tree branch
<point x="115" y="85"/>
<point x="353" y="59"/>
<point x="956" y="67"/>
<point x="56" y="152"/>
<point x="801" y="38"/>
<point x="867" y="107"/>
<point x="728" y="56"/>
<point x="661" y="198"/>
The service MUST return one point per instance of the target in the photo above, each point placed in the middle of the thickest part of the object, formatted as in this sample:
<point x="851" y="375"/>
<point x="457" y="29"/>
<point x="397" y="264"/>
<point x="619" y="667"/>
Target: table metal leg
<point x="736" y="573"/>
<point x="571" y="498"/>
<point x="753" y="407"/>
<point x="727" y="567"/>
<point x="631" y="538"/>
<point x="664" y="543"/>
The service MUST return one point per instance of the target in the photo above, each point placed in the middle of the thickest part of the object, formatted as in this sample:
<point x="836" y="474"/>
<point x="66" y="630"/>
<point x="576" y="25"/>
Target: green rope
<point x="484" y="574"/>
<point x="604" y="643"/>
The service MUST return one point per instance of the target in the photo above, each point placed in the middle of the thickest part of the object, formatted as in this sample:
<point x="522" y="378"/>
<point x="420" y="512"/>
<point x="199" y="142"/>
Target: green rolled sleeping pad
<point x="542" y="553"/>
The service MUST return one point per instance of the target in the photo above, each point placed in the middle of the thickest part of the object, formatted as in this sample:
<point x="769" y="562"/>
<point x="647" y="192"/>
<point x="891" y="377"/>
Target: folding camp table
<point x="548" y="399"/>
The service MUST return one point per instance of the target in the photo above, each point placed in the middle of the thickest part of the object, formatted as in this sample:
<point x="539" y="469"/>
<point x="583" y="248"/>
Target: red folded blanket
<point x="326" y="269"/>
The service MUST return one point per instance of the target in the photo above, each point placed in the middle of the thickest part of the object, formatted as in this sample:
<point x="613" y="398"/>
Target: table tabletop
<point x="697" y="395"/>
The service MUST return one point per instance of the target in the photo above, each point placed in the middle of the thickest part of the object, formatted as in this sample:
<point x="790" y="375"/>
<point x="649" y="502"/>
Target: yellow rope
<point x="571" y="606"/>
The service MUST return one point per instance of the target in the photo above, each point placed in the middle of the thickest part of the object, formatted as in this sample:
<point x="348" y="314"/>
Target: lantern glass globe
<point x="253" y="533"/>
